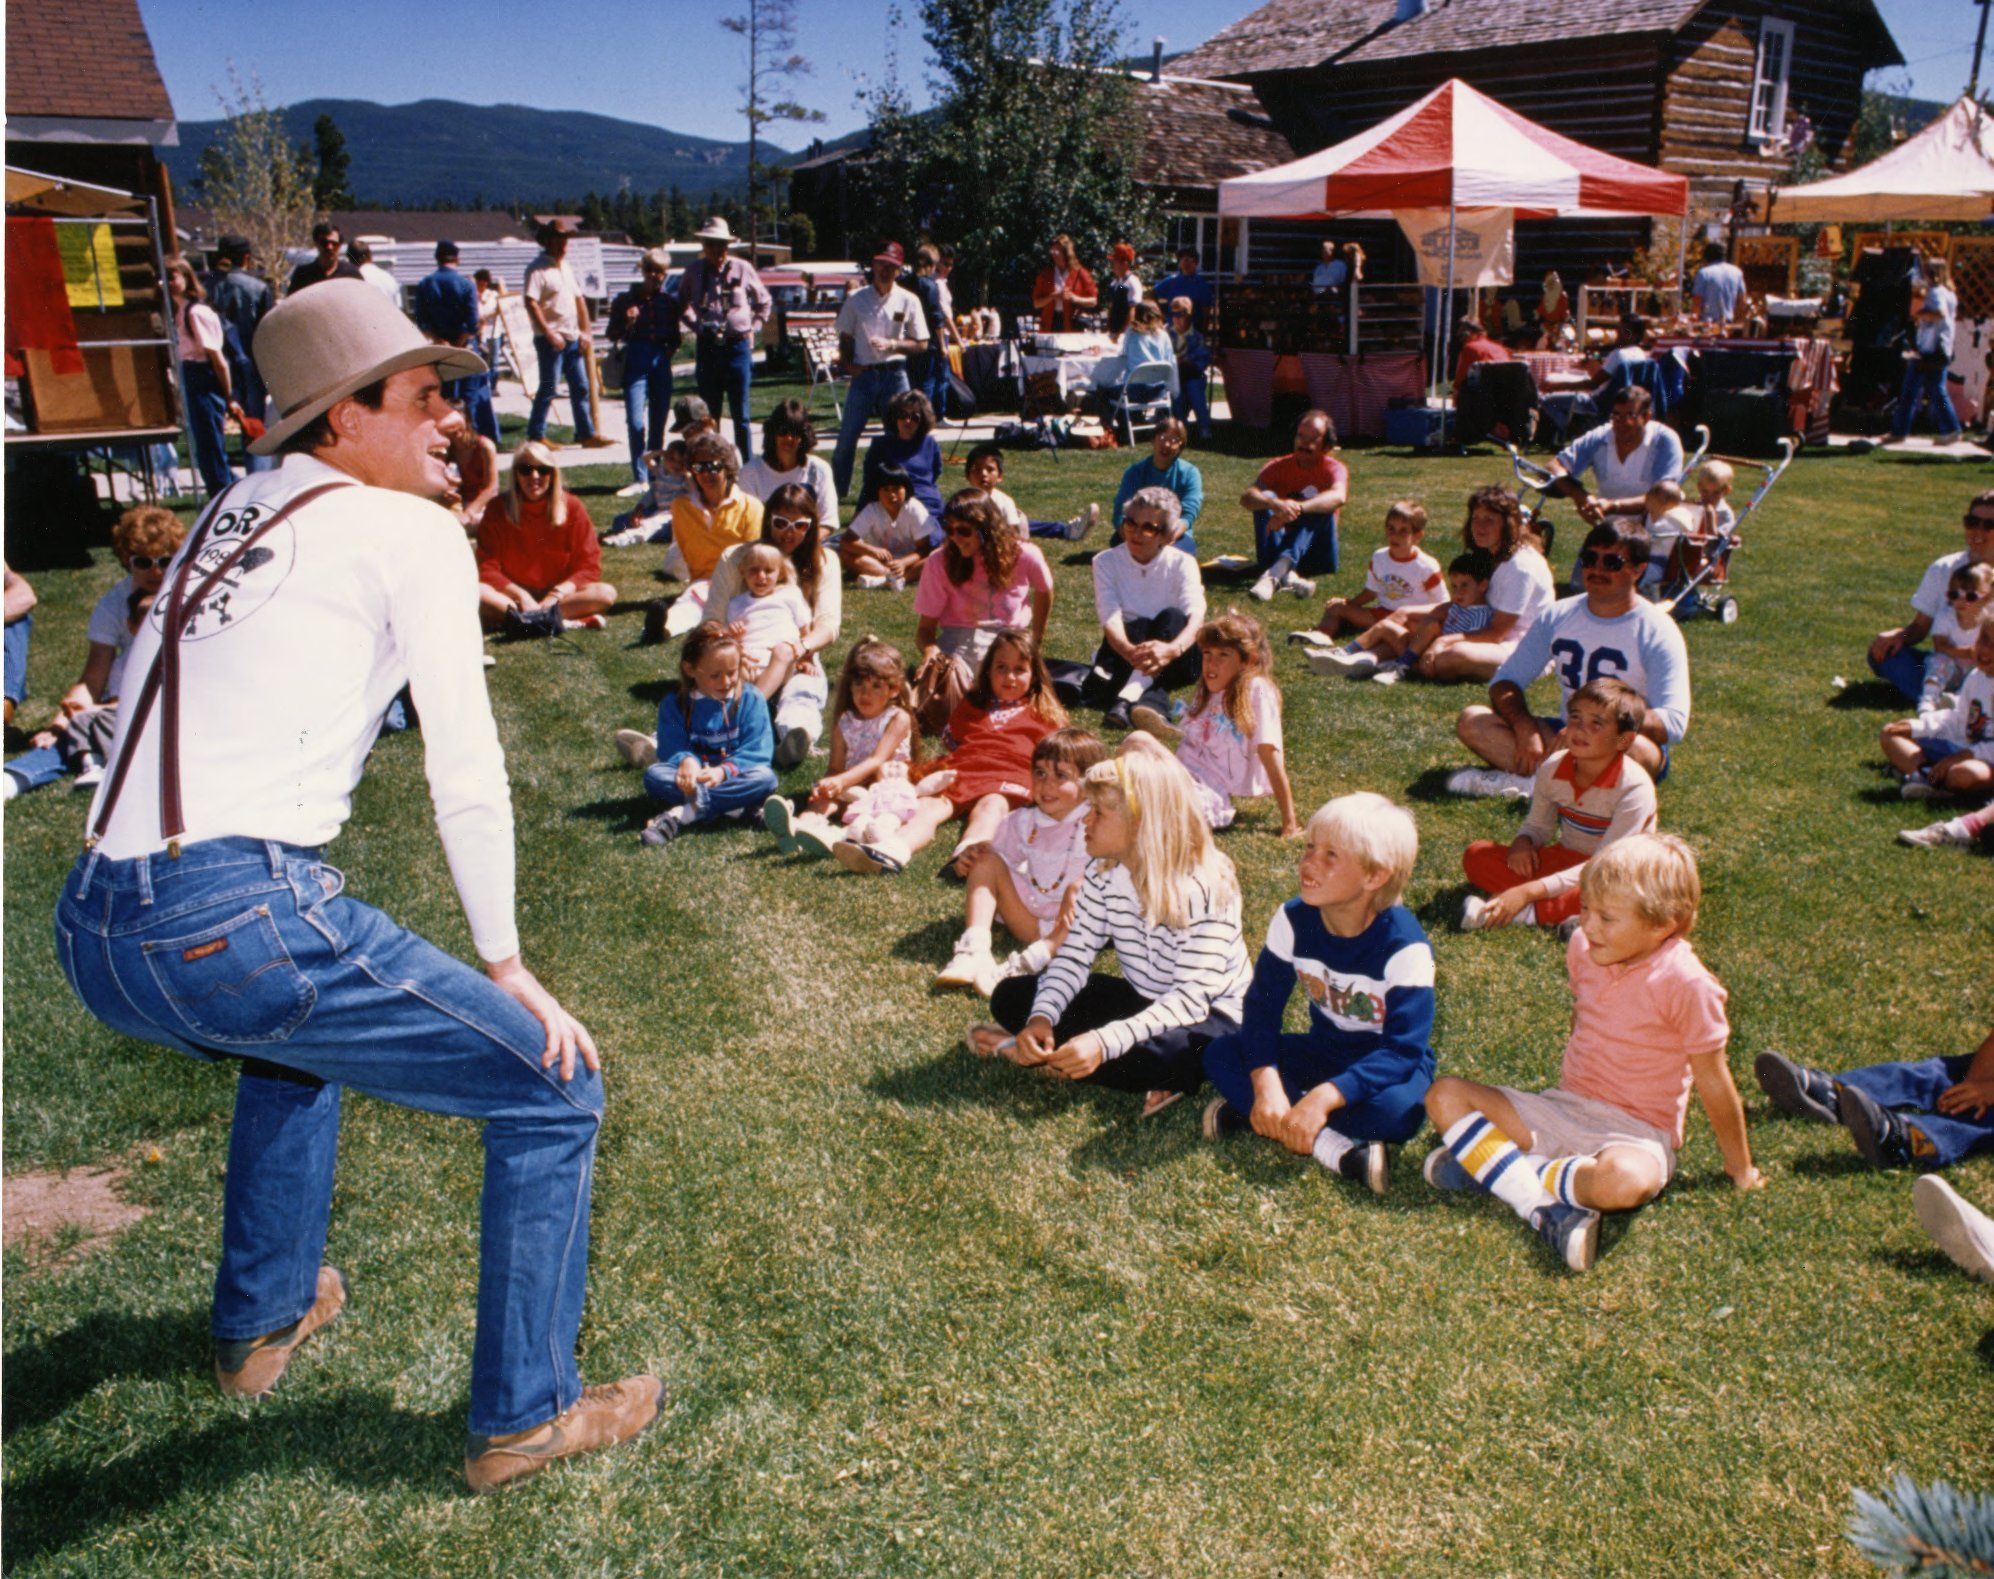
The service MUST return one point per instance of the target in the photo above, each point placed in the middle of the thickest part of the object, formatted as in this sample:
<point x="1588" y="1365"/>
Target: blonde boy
<point x="1647" y="1023"/>
<point x="1669" y="522"/>
<point x="1403" y="579"/>
<point x="1354" y="1081"/>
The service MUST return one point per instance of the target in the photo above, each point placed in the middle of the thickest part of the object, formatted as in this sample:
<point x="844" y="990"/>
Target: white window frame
<point x="1767" y="121"/>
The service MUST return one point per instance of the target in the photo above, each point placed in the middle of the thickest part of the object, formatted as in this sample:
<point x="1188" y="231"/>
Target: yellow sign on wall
<point x="90" y="266"/>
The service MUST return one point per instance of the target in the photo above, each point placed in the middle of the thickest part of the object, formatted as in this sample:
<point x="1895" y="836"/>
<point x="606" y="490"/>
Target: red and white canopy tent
<point x="1460" y="151"/>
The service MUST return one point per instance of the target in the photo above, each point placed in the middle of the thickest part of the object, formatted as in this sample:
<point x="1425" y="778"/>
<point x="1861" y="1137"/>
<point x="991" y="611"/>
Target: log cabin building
<point x="1702" y="88"/>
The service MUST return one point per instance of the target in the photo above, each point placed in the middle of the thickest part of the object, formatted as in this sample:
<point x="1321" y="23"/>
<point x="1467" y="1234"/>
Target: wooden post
<point x="595" y="385"/>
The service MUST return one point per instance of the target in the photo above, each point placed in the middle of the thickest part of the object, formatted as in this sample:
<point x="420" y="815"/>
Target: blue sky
<point x="667" y="61"/>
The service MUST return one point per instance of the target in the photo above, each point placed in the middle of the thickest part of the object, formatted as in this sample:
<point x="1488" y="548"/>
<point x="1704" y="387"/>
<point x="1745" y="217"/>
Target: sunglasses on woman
<point x="792" y="523"/>
<point x="533" y="471"/>
<point x="1133" y="528"/>
<point x="1953" y="594"/>
<point x="960" y="529"/>
<point x="1602" y="559"/>
<point x="149" y="561"/>
<point x="708" y="468"/>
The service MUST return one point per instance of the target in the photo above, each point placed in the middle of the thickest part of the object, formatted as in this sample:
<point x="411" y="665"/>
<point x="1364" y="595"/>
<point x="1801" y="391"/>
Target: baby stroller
<point x="1538" y="483"/>
<point x="1697" y="577"/>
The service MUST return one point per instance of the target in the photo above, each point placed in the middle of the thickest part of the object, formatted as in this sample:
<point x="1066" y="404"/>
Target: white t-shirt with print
<point x="1215" y="753"/>
<point x="1396" y="583"/>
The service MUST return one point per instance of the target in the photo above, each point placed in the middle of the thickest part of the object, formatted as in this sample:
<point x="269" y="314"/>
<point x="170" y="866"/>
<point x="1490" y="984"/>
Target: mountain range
<point x="440" y="151"/>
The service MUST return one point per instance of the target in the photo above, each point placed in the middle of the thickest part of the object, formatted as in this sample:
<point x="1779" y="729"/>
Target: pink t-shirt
<point x="1214" y="751"/>
<point x="1636" y="1026"/>
<point x="974" y="602"/>
<point x="1046" y="857"/>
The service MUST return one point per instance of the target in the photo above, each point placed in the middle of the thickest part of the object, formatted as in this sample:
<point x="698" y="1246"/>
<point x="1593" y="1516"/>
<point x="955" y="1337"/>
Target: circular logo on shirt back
<point x="249" y="583"/>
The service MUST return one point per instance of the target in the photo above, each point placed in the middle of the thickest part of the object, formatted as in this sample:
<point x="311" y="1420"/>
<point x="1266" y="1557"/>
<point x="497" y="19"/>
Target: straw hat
<point x="715" y="229"/>
<point x="320" y="345"/>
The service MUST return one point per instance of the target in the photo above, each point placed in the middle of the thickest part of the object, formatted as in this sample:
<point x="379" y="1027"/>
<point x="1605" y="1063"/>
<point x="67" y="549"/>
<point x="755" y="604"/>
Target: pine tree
<point x="329" y="189"/>
<point x="1931" y="1531"/>
<point x="769" y="29"/>
<point x="1034" y="131"/>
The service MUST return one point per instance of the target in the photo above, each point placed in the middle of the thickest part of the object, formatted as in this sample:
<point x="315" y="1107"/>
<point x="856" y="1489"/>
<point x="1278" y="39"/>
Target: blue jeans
<point x="1393" y="1115"/>
<point x="476" y="393"/>
<point x="868" y="395"/>
<point x="1904" y="669"/>
<point x="647" y="401"/>
<point x="1922" y="385"/>
<point x="36" y="768"/>
<point x="1914" y="1090"/>
<point x="725" y="370"/>
<point x="17" y="657"/>
<point x="738" y="792"/>
<point x="935" y="381"/>
<point x="1308" y="543"/>
<point x="565" y="363"/>
<point x="244" y="949"/>
<point x="1193" y="405"/>
<point x="207" y="410"/>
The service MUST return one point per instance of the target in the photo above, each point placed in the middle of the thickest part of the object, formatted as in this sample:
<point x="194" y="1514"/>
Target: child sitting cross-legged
<point x="1647" y="1023"/>
<point x="874" y="709"/>
<point x="1230" y="740"/>
<point x="715" y="741"/>
<point x="1969" y="595"/>
<point x="1925" y="1113"/>
<point x="1167" y="901"/>
<point x="987" y="766"/>
<point x="1403" y="578"/>
<point x="1390" y="649"/>
<point x="891" y="536"/>
<point x="1352" y="1083"/>
<point x="1028" y="878"/>
<point x="1587" y="795"/>
<point x="1950" y="751"/>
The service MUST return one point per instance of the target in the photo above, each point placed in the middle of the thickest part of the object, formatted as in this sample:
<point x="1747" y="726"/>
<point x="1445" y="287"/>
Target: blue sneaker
<point x="1795" y="1089"/>
<point x="1443" y="1171"/>
<point x="1884" y="1139"/>
<point x="1572" y="1231"/>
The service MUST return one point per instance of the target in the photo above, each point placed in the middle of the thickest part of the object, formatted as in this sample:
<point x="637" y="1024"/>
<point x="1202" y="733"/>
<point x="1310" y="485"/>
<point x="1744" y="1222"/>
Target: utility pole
<point x="1979" y="44"/>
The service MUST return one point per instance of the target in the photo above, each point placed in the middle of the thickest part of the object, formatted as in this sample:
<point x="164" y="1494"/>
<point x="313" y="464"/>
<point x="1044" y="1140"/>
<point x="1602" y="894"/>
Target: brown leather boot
<point x="602" y="1417"/>
<point x="249" y="1367"/>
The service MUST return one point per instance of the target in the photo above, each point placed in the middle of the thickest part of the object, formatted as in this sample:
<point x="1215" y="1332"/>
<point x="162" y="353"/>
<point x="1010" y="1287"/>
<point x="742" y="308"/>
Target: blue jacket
<point x="736" y="734"/>
<point x="446" y="306"/>
<point x="922" y="461"/>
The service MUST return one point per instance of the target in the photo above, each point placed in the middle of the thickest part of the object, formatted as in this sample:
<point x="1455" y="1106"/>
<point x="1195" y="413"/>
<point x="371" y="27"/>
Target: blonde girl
<point x="1167" y="901"/>
<point x="874" y="709"/>
<point x="1230" y="740"/>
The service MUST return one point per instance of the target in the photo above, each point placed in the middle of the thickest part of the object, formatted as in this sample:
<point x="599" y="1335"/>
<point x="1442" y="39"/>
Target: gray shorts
<point x="1564" y="1124"/>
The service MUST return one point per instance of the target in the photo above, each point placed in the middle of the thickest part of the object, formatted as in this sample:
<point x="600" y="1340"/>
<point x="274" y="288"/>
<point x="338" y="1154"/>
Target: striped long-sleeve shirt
<point x="1619" y="802"/>
<point x="1189" y="973"/>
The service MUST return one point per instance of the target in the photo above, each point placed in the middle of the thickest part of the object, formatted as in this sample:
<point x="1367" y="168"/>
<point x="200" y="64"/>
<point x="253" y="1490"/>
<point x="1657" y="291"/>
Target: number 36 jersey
<point x="1642" y="648"/>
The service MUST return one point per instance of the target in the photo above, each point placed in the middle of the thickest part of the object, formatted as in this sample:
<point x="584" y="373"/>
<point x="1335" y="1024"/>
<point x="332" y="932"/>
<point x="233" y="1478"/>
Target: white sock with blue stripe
<point x="1496" y="1164"/>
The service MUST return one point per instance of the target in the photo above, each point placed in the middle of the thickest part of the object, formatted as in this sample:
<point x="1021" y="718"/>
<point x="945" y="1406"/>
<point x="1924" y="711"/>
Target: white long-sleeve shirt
<point x="286" y="670"/>
<point x="1969" y="722"/>
<point x="1189" y="973"/>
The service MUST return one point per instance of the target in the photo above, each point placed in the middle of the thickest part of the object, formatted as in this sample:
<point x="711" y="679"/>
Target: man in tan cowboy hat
<point x="723" y="300"/>
<point x="560" y="314"/>
<point x="204" y="917"/>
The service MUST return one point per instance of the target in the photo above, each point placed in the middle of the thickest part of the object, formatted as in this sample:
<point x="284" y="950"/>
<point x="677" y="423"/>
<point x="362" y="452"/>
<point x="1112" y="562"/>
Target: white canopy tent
<point x="1944" y="173"/>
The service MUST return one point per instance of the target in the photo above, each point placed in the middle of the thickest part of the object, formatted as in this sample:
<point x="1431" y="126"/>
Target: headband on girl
<point x="1127" y="787"/>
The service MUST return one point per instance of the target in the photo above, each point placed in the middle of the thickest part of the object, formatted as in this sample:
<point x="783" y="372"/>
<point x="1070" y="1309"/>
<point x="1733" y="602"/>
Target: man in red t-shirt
<point x="1294" y="502"/>
<point x="1476" y="348"/>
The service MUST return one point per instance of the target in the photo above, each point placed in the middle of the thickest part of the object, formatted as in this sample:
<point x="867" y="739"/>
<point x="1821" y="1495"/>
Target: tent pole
<point x="1447" y="317"/>
<point x="1682" y="260"/>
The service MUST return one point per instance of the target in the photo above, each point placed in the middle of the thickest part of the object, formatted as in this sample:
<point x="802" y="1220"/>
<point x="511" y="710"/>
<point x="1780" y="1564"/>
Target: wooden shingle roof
<point x="1299" y="35"/>
<point x="83" y="59"/>
<point x="1197" y="134"/>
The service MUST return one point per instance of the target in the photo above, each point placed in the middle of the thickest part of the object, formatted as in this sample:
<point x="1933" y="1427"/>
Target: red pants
<point x="1487" y="866"/>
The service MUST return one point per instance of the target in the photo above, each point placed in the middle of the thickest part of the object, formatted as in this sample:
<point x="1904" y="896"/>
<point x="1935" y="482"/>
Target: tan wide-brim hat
<point x="318" y="346"/>
<point x="715" y="229"/>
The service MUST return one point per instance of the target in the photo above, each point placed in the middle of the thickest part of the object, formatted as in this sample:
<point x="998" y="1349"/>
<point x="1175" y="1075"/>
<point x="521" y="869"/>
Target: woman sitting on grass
<point x="909" y="443"/>
<point x="707" y="522"/>
<point x="537" y="549"/>
<point x="1167" y="901"/>
<point x="1008" y="710"/>
<point x="1520" y="590"/>
<point x="983" y="579"/>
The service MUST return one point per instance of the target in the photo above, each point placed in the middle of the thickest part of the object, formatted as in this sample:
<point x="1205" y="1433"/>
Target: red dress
<point x="991" y="752"/>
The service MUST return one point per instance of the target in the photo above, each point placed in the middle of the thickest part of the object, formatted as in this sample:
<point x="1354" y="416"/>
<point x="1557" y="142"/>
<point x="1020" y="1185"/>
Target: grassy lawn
<point x="919" y="1315"/>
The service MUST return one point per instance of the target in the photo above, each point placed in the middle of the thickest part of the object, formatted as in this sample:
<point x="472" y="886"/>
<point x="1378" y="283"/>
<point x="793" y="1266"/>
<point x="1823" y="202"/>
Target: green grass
<point x="920" y="1315"/>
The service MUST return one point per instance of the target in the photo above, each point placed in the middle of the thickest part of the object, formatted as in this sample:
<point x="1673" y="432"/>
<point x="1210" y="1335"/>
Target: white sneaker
<point x="1312" y="638"/>
<point x="1488" y="781"/>
<point x="1388" y="674"/>
<point x="1330" y="664"/>
<point x="969" y="964"/>
<point x="683" y="616"/>
<point x="91" y="774"/>
<point x="870" y="583"/>
<point x="1083" y="523"/>
<point x="636" y="748"/>
<point x="1474" y="913"/>
<point x="630" y="490"/>
<point x="1960" y="1230"/>
<point x="896" y="583"/>
<point x="1932" y="836"/>
<point x="1262" y="591"/>
<point x="1028" y="961"/>
<point x="1300" y="586"/>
